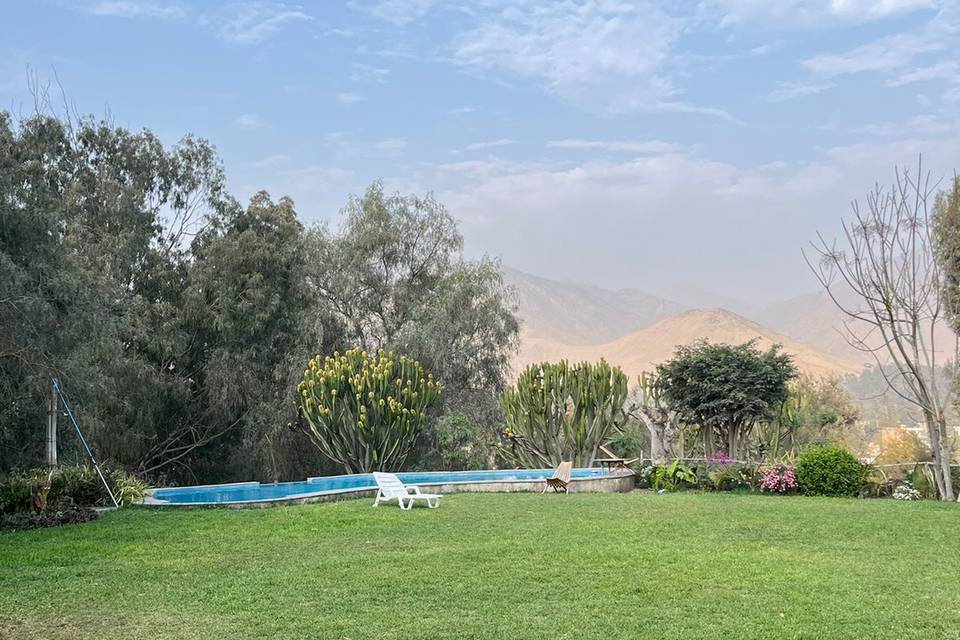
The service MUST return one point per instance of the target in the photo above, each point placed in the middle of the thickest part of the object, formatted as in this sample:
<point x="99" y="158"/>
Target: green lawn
<point x="496" y="566"/>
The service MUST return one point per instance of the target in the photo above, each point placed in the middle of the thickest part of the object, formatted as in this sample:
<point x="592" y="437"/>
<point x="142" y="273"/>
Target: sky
<point x="672" y="147"/>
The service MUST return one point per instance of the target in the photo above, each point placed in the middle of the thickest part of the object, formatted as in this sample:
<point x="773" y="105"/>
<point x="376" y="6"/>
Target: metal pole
<point x="56" y="389"/>
<point x="52" y="429"/>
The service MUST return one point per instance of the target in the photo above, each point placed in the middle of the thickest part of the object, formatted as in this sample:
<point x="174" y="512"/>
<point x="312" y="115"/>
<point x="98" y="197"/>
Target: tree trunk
<point x="939" y="447"/>
<point x="708" y="441"/>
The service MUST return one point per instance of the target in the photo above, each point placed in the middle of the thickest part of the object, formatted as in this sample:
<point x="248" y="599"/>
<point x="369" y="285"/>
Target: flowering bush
<point x="720" y="458"/>
<point x="778" y="479"/>
<point x="905" y="491"/>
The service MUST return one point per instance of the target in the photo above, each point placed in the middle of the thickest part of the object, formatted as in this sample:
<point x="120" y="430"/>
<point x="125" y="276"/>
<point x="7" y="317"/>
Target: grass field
<point x="496" y="566"/>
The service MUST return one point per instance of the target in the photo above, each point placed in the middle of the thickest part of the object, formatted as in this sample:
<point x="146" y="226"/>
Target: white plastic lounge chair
<point x="389" y="487"/>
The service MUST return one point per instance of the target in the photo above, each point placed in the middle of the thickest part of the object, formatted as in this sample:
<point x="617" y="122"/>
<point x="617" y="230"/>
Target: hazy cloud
<point x="489" y="144"/>
<point x="254" y="22"/>
<point x="349" y="98"/>
<point x="640" y="146"/>
<point x="137" y="9"/>
<point x="248" y="121"/>
<point x="791" y="90"/>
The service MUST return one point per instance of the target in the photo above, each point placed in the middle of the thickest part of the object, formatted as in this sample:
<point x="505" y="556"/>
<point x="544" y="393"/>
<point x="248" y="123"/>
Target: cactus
<point x="558" y="412"/>
<point x="365" y="412"/>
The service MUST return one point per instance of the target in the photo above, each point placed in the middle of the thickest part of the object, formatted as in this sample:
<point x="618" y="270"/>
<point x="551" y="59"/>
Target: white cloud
<point x="808" y="13"/>
<point x="461" y="110"/>
<point x="946" y="70"/>
<point x="137" y="9"/>
<point x="349" y="98"/>
<point x="392" y="144"/>
<point x="940" y="34"/>
<point x="396" y="11"/>
<point x="885" y="54"/>
<point x="254" y="22"/>
<point x="641" y="146"/>
<point x="489" y="144"/>
<point x="589" y="53"/>
<point x="791" y="90"/>
<point x="369" y="73"/>
<point x="248" y="121"/>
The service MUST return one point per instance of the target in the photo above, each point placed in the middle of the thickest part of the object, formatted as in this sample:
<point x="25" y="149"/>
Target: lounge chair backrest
<point x="563" y="472"/>
<point x="390" y="485"/>
<point x="607" y="452"/>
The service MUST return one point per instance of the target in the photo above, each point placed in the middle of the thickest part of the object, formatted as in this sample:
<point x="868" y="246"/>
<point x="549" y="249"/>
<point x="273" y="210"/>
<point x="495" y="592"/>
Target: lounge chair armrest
<point x="412" y="488"/>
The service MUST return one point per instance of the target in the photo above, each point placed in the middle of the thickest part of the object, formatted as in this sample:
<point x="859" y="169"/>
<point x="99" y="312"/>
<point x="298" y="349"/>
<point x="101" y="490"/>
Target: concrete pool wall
<point x="618" y="481"/>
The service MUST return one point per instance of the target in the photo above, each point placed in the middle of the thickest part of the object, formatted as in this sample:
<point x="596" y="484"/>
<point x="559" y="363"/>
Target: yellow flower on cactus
<point x="361" y="423"/>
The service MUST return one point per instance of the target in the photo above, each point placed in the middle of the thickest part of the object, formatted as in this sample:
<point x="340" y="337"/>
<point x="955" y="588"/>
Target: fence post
<point x="52" y="429"/>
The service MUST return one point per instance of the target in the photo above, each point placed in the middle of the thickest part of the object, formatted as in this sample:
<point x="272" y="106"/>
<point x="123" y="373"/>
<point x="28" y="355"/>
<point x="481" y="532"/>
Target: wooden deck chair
<point x="560" y="480"/>
<point x="389" y="487"/>
<point x="620" y="462"/>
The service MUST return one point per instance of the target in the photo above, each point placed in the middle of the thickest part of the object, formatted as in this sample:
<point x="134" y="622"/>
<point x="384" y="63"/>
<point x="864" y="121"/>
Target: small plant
<point x="778" y="479"/>
<point x="672" y="476"/>
<point x="643" y="474"/>
<point x="827" y="470"/>
<point x="905" y="491"/>
<point x="127" y="488"/>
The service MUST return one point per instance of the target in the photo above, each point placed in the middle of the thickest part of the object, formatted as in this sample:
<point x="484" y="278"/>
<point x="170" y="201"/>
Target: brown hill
<point x="814" y="320"/>
<point x="642" y="350"/>
<point x="582" y="314"/>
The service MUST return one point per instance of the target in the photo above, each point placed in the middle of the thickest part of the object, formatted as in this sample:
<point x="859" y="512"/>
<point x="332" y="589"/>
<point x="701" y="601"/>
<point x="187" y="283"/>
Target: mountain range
<point x="636" y="330"/>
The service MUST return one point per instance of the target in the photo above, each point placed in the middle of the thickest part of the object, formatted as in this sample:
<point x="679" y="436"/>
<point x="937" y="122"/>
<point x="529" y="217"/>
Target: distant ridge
<point x="581" y="314"/>
<point x="636" y="330"/>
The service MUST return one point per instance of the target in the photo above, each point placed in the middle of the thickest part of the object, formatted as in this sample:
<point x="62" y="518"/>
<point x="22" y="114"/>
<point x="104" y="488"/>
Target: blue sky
<point x="664" y="146"/>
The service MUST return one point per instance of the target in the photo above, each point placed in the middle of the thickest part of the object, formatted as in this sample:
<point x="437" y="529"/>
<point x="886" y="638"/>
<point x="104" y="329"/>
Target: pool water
<point x="255" y="492"/>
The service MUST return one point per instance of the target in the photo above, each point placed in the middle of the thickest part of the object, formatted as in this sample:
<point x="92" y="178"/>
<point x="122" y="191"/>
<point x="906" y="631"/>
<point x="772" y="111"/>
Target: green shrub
<point x="38" y="490"/>
<point x="643" y="473"/>
<point x="15" y="491"/>
<point x="828" y="470"/>
<point x="673" y="476"/>
<point x="728" y="477"/>
<point x="459" y="445"/>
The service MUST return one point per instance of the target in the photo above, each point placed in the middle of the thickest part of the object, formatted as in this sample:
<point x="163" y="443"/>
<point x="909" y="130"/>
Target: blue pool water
<point x="256" y="492"/>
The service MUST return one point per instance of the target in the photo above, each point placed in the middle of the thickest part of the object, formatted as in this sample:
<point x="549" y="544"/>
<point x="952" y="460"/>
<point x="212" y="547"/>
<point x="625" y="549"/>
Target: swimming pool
<point x="336" y="487"/>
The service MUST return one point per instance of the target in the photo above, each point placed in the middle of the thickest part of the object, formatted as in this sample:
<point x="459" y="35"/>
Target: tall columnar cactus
<point x="558" y="412"/>
<point x="365" y="412"/>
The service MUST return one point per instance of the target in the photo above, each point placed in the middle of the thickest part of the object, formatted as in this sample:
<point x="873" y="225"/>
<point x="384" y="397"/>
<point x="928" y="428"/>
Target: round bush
<point x="828" y="471"/>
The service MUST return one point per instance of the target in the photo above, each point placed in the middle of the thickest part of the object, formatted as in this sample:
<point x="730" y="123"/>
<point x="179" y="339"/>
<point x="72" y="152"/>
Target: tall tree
<point x="946" y="225"/>
<point x="726" y="390"/>
<point x="84" y="248"/>
<point x="395" y="277"/>
<point x="887" y="259"/>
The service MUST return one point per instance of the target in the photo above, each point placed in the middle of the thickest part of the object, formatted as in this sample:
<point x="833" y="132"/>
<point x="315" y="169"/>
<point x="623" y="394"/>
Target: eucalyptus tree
<point x="887" y="258"/>
<point x="394" y="277"/>
<point x="94" y="220"/>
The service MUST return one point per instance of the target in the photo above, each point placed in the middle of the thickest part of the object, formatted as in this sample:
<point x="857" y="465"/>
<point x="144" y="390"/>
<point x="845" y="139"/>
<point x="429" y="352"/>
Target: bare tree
<point x="661" y="422"/>
<point x="887" y="260"/>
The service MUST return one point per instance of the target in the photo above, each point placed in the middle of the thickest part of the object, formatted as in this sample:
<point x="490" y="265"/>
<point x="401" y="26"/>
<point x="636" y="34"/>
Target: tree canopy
<point x="179" y="320"/>
<point x="726" y="390"/>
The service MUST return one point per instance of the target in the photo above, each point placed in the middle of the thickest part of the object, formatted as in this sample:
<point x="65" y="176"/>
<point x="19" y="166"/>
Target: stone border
<point x="618" y="482"/>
